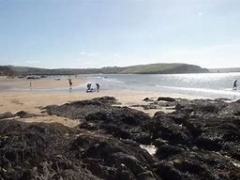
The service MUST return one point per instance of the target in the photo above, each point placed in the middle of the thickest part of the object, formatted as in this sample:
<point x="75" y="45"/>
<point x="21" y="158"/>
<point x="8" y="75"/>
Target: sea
<point x="204" y="85"/>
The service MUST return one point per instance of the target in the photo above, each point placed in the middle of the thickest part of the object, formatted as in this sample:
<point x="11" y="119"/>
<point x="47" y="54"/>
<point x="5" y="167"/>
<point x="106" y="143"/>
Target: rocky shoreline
<point x="199" y="140"/>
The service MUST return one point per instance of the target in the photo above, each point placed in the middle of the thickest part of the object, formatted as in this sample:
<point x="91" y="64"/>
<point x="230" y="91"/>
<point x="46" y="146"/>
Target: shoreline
<point x="32" y="101"/>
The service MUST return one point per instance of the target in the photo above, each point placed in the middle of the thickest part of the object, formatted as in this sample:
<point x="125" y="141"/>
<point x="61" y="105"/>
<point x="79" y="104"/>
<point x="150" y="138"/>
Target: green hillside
<point x="150" y="68"/>
<point x="161" y="68"/>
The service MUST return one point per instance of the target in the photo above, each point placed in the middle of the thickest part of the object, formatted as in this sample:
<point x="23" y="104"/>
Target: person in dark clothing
<point x="98" y="87"/>
<point x="88" y="86"/>
<point x="235" y="85"/>
<point x="89" y="89"/>
<point x="70" y="83"/>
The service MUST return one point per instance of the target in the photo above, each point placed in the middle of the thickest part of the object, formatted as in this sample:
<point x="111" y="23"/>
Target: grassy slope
<point x="150" y="68"/>
<point x="139" y="69"/>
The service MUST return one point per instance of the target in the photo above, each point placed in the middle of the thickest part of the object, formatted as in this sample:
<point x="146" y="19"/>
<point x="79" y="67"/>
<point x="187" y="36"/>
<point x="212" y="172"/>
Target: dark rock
<point x="52" y="151"/>
<point x="166" y="171"/>
<point x="146" y="99"/>
<point x="165" y="151"/>
<point x="24" y="114"/>
<point x="88" y="126"/>
<point x="237" y="101"/>
<point x="199" y="141"/>
<point x="160" y="104"/>
<point x="119" y="114"/>
<point x="207" y="142"/>
<point x="147" y="107"/>
<point x="159" y="142"/>
<point x="23" y="146"/>
<point x="169" y="99"/>
<point x="80" y="109"/>
<point x="6" y="115"/>
<point x="106" y="100"/>
<point x="178" y="117"/>
<point x="202" y="106"/>
<point x="110" y="158"/>
<point x="166" y="129"/>
<point x="159" y="115"/>
<point x="123" y="122"/>
<point x="196" y="163"/>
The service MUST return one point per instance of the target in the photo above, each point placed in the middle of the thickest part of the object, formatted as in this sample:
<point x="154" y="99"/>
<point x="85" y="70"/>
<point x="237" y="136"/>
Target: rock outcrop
<point x="199" y="140"/>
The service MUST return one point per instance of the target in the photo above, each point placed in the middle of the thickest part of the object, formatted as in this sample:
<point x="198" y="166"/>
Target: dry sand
<point x="32" y="101"/>
<point x="6" y="82"/>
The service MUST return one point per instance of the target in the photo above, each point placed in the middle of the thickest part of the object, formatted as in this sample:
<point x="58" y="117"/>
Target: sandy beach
<point x="201" y="134"/>
<point x="58" y="82"/>
<point x="32" y="101"/>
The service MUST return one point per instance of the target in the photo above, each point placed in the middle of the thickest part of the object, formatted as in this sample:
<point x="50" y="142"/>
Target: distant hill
<point x="161" y="68"/>
<point x="6" y="71"/>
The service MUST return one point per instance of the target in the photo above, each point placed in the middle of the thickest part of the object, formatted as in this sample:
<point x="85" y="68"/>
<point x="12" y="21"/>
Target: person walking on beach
<point x="70" y="83"/>
<point x="98" y="87"/>
<point x="235" y="85"/>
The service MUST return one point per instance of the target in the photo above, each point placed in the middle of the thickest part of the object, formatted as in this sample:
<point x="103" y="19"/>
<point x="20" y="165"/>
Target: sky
<point x="101" y="33"/>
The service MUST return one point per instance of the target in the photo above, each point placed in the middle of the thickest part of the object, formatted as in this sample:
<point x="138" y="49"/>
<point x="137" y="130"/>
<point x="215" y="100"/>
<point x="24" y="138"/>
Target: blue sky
<point x="100" y="33"/>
